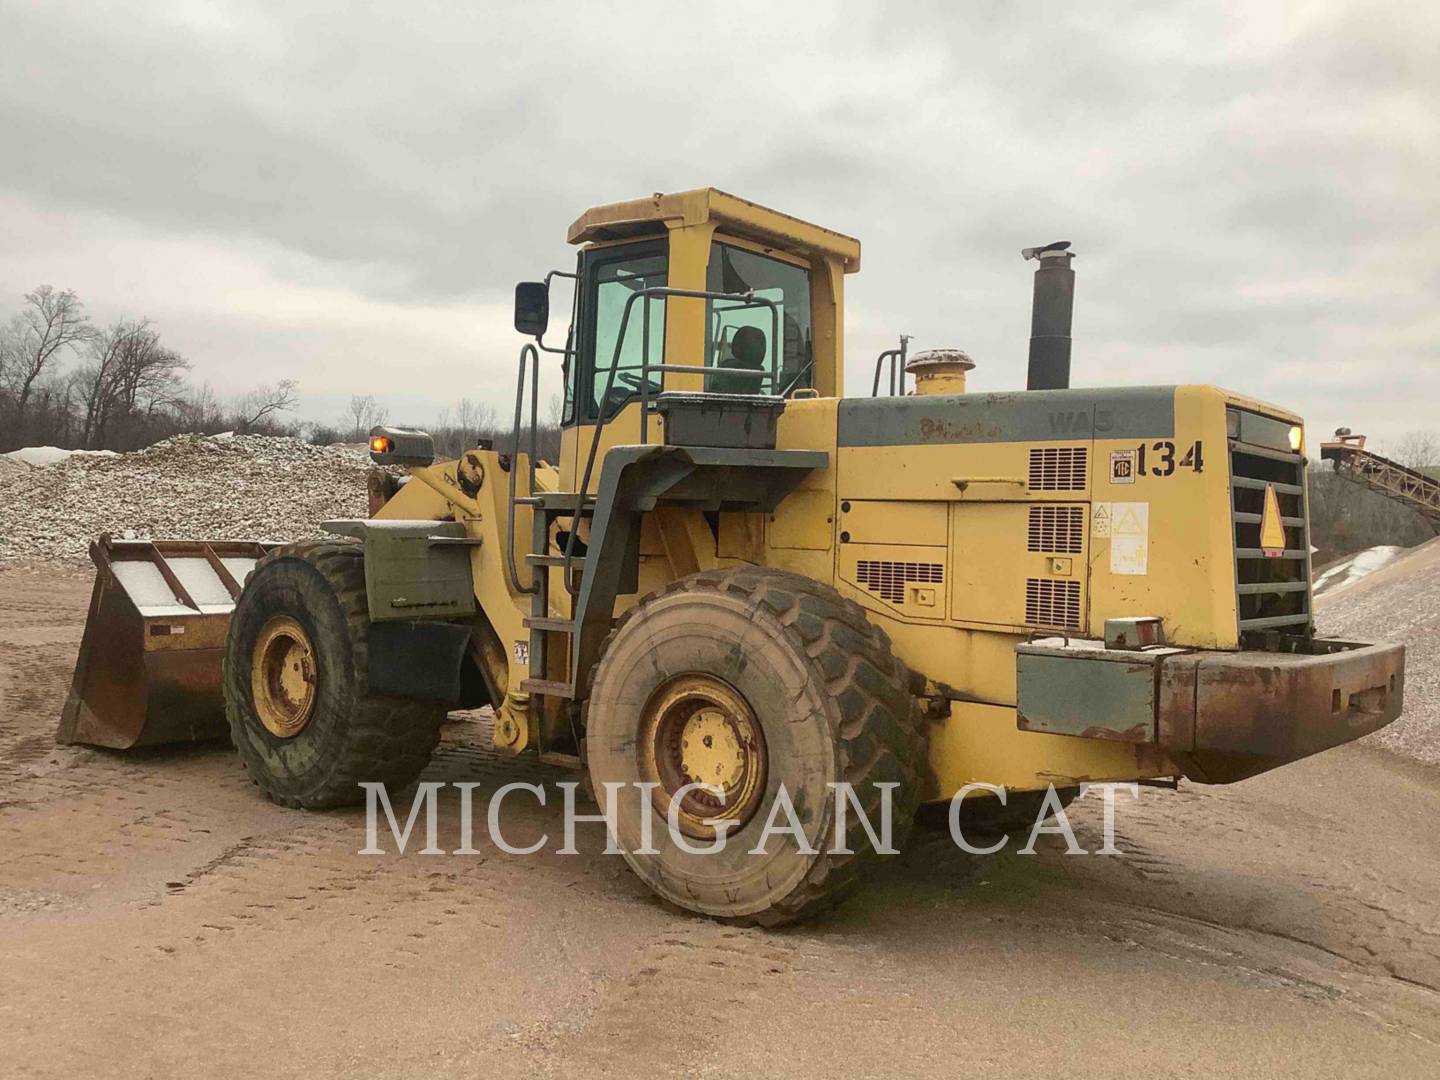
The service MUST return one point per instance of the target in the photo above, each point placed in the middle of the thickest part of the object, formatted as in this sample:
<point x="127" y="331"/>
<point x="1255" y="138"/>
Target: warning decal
<point x="1130" y="538"/>
<point x="1100" y="520"/>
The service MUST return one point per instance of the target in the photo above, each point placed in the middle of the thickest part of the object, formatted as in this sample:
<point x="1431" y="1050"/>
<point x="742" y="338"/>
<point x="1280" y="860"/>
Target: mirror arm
<point x="539" y="338"/>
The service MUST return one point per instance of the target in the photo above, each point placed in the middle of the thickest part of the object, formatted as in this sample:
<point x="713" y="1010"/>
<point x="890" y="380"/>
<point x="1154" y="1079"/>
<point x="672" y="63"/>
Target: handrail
<point x="528" y="350"/>
<point x="749" y="300"/>
<point x="897" y="366"/>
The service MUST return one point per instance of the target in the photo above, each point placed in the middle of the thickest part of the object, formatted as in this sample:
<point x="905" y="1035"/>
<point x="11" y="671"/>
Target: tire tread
<point x="388" y="739"/>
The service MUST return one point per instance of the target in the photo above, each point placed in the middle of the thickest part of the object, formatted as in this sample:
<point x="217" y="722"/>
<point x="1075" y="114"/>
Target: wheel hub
<point x="283" y="677"/>
<point x="697" y="729"/>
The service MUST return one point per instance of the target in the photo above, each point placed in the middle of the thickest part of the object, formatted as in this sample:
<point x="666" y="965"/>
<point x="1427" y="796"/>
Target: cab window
<point x="739" y="337"/>
<point x="617" y="274"/>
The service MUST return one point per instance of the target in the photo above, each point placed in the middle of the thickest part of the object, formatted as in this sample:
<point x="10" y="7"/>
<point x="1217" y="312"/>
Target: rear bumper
<point x="1219" y="716"/>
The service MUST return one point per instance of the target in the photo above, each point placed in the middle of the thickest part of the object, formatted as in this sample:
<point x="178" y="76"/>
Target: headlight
<point x="1232" y="423"/>
<point x="1297" y="438"/>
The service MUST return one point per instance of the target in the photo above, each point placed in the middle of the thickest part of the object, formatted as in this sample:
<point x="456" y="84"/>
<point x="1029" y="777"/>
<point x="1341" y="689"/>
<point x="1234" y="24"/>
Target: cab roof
<point x="651" y="215"/>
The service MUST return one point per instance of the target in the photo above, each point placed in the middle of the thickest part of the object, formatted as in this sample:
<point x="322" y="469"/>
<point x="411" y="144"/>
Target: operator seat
<point x="747" y="353"/>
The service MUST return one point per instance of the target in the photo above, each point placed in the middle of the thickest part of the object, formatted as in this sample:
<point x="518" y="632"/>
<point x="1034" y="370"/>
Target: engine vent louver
<point x="1059" y="468"/>
<point x="1053" y="603"/>
<point x="887" y="580"/>
<point x="1057" y="530"/>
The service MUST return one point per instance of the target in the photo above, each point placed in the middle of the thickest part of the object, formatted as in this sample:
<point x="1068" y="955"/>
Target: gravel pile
<point x="190" y="487"/>
<point x="1399" y="603"/>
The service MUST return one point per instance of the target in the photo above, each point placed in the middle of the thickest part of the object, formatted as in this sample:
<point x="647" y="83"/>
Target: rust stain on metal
<point x="1138" y="733"/>
<point x="1254" y="712"/>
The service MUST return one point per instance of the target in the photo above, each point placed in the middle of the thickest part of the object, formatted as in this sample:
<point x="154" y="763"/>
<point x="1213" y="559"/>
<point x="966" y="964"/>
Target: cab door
<point x="609" y="278"/>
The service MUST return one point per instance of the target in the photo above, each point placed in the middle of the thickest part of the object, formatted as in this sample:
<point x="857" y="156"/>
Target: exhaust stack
<point x="1050" y="316"/>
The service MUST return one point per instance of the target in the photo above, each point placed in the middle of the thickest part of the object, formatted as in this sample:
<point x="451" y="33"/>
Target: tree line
<point x="67" y="381"/>
<point x="466" y="425"/>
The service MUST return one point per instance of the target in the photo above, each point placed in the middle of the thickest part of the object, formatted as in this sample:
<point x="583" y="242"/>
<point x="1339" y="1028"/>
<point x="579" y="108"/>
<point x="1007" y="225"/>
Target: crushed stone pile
<point x="189" y="487"/>
<point x="1401" y="603"/>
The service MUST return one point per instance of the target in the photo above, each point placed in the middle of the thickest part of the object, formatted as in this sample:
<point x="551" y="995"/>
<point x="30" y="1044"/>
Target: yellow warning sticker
<point x="1130" y="538"/>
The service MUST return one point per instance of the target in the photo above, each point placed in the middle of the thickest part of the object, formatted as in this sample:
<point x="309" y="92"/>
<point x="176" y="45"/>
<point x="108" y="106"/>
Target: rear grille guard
<point x="1272" y="592"/>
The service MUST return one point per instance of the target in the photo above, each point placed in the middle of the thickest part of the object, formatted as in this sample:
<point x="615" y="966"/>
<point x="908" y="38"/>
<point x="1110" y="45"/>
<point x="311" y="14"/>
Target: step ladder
<point x="546" y="629"/>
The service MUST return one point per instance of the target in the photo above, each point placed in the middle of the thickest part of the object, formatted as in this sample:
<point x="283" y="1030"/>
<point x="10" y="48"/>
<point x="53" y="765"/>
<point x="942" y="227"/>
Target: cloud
<point x="350" y="194"/>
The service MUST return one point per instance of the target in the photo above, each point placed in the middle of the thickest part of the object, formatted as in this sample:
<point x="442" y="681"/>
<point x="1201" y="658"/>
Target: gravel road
<point x="157" y="917"/>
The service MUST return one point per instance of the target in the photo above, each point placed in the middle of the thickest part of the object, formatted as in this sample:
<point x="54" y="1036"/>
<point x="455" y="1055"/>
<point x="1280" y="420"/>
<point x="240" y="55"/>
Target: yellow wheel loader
<point x="738" y="586"/>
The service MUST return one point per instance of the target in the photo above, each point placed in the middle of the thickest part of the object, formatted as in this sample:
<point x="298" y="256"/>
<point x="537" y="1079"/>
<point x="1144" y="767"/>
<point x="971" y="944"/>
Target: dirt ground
<point x="158" y="917"/>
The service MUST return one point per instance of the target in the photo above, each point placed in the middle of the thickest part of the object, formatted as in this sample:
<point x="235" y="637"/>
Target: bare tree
<point x="130" y="377"/>
<point x="1418" y="449"/>
<point x="50" y="322"/>
<point x="364" y="414"/>
<point x="473" y="417"/>
<point x="198" y="410"/>
<point x="264" y="401"/>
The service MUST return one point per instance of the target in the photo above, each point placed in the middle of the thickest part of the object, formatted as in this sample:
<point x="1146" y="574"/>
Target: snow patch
<point x="41" y="456"/>
<point x="1358" y="566"/>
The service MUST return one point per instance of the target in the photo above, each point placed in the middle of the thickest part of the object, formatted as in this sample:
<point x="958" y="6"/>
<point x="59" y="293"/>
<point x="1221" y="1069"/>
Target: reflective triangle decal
<point x="1272" y="529"/>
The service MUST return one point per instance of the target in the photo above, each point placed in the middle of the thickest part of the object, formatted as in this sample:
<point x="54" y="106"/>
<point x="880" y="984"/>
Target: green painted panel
<point x="1140" y="412"/>
<point x="1095" y="694"/>
<point x="412" y="572"/>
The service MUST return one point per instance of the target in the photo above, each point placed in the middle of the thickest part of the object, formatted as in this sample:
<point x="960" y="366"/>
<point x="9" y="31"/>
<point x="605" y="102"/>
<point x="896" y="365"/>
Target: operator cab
<point x="698" y="291"/>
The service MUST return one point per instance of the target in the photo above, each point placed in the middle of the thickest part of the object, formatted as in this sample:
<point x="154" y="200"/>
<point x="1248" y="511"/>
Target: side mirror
<point x="532" y="307"/>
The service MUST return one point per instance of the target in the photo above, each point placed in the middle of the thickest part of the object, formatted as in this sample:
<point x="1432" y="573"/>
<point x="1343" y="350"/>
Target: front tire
<point x="749" y="679"/>
<point x="301" y="715"/>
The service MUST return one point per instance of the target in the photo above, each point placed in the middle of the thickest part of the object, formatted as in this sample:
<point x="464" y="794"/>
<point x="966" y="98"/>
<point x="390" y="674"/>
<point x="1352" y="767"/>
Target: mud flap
<point x="421" y="660"/>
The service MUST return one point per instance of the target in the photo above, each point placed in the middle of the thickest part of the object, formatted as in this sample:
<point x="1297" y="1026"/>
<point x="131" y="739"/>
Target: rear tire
<point x="317" y="732"/>
<point x="813" y="696"/>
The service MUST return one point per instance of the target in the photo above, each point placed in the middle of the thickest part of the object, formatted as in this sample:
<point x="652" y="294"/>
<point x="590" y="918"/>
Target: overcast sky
<point x="346" y="194"/>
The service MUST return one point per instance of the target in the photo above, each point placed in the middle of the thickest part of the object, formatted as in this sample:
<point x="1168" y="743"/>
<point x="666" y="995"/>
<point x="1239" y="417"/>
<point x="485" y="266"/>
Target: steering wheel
<point x="628" y="379"/>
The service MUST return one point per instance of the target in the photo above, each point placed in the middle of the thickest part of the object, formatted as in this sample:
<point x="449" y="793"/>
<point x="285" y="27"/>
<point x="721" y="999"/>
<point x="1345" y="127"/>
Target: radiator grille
<point x="1050" y="602"/>
<point x="887" y="580"/>
<point x="1058" y="468"/>
<point x="1272" y="591"/>
<point x="1059" y="530"/>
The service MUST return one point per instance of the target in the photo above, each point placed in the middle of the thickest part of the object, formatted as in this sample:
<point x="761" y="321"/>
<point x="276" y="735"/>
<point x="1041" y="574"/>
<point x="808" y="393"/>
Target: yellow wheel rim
<point x="283" y="677"/>
<point x="697" y="729"/>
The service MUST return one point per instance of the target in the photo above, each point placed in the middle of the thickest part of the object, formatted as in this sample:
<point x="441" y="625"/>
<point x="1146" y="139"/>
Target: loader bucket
<point x="149" y="669"/>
